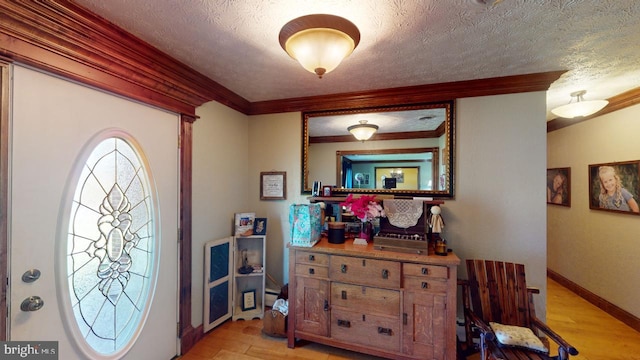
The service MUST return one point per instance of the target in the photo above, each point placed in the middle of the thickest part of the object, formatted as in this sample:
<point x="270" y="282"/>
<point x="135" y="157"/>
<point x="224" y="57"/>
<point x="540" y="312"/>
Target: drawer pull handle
<point x="312" y="271"/>
<point x="385" y="273"/>
<point x="343" y="268"/>
<point x="344" y="323"/>
<point x="425" y="285"/>
<point x="404" y="319"/>
<point x="344" y="295"/>
<point x="384" y="331"/>
<point x="425" y="271"/>
<point x="312" y="258"/>
<point x="326" y="305"/>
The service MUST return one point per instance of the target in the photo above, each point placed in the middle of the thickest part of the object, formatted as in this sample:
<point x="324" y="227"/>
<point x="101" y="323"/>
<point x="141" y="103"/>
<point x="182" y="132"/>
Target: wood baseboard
<point x="611" y="309"/>
<point x="190" y="337"/>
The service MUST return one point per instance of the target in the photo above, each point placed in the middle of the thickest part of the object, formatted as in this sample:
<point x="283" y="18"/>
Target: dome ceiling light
<point x="580" y="107"/>
<point x="363" y="131"/>
<point x="319" y="42"/>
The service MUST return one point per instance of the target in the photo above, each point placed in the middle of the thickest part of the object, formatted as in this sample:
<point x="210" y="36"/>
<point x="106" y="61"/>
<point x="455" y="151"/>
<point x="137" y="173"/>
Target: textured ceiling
<point x="403" y="43"/>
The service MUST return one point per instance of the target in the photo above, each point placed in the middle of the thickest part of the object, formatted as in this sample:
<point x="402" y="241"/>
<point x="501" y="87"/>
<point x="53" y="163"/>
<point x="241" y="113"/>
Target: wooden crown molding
<point x="411" y="94"/>
<point x="626" y="99"/>
<point x="377" y="136"/>
<point x="66" y="39"/>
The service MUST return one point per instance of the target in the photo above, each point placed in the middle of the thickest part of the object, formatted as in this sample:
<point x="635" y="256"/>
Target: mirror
<point x="410" y="154"/>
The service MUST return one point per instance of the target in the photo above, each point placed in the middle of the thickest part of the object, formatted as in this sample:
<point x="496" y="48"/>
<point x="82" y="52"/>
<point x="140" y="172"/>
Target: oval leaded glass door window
<point x="111" y="247"/>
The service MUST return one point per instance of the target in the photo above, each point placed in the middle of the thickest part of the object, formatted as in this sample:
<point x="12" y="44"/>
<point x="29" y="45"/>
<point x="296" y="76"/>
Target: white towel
<point x="282" y="306"/>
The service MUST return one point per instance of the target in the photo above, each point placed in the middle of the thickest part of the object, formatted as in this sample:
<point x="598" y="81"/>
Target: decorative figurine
<point x="435" y="220"/>
<point x="246" y="268"/>
<point x="437" y="224"/>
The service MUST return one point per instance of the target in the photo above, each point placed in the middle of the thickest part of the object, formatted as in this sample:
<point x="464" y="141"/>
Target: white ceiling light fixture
<point x="363" y="131"/>
<point x="319" y="42"/>
<point x="579" y="108"/>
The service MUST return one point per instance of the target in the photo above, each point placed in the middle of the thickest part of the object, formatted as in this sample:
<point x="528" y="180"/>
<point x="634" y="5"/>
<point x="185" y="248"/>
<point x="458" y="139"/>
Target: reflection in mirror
<point x="413" y="145"/>
<point x="412" y="169"/>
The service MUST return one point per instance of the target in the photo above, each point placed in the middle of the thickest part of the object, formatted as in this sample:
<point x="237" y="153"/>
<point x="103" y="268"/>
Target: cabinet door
<point x="312" y="306"/>
<point x="424" y="320"/>
<point x="217" y="283"/>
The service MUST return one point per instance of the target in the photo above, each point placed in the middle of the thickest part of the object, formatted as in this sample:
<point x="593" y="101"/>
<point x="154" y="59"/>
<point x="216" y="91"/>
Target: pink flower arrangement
<point x="364" y="207"/>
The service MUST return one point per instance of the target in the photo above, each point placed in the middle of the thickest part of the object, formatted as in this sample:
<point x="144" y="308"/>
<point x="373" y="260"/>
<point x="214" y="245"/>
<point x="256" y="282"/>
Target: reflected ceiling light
<point x="580" y="107"/>
<point x="319" y="42"/>
<point x="363" y="131"/>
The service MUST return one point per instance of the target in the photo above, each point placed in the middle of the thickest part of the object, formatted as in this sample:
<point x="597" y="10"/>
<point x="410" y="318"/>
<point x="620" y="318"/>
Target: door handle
<point x="31" y="275"/>
<point x="32" y="303"/>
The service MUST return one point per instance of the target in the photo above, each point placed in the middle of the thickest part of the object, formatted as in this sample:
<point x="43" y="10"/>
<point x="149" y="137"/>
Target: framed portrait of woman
<point x="559" y="186"/>
<point x="615" y="187"/>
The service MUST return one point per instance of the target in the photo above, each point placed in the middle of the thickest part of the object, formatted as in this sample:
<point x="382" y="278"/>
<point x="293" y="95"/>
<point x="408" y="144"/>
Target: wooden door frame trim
<point x="4" y="194"/>
<point x="187" y="333"/>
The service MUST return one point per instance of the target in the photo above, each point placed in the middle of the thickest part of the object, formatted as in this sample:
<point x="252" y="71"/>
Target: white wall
<point x="500" y="212"/>
<point x="598" y="250"/>
<point x="275" y="144"/>
<point x="220" y="183"/>
<point x="500" y="206"/>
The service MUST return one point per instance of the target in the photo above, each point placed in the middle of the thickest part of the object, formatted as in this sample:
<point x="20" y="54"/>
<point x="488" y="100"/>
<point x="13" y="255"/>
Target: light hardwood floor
<point x="597" y="336"/>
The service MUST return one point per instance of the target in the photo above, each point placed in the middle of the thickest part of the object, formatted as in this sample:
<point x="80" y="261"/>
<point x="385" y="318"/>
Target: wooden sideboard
<point x="389" y="304"/>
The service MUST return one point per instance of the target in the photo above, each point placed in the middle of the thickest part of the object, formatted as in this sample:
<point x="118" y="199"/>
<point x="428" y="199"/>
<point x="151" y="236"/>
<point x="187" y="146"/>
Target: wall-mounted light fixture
<point x="363" y="131"/>
<point x="579" y="108"/>
<point x="319" y="42"/>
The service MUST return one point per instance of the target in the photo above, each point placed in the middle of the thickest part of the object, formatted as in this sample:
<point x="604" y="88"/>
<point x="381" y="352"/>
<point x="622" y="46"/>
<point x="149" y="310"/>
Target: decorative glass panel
<point x="219" y="267"/>
<point x="111" y="246"/>
<point x="218" y="301"/>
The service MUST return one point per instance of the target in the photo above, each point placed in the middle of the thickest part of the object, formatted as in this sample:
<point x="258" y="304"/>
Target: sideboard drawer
<point x="312" y="271"/>
<point x="365" y="329"/>
<point x="306" y="257"/>
<point x="364" y="298"/>
<point x="431" y="271"/>
<point x="416" y="283"/>
<point x="363" y="271"/>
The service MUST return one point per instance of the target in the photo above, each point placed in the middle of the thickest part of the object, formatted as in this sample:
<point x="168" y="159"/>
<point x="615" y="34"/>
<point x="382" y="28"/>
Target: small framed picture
<point x="244" y="224"/>
<point x="260" y="226"/>
<point x="326" y="190"/>
<point x="248" y="300"/>
<point x="615" y="187"/>
<point x="273" y="185"/>
<point x="559" y="186"/>
<point x="317" y="188"/>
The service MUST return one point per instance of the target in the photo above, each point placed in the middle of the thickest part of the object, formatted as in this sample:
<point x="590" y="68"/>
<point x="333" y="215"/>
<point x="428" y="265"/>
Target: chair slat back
<point x="498" y="291"/>
<point x="523" y="301"/>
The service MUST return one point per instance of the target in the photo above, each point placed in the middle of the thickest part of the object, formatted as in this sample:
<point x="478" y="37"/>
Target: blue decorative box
<point x="305" y="221"/>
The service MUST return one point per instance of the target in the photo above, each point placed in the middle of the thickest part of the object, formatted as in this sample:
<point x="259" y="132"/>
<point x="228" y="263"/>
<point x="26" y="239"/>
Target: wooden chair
<point x="497" y="292"/>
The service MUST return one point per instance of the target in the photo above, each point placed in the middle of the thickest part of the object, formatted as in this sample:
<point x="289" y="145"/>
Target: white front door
<point x="55" y="126"/>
